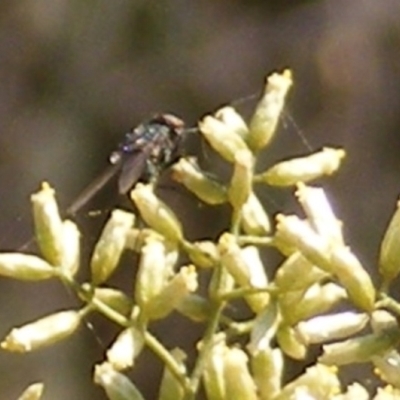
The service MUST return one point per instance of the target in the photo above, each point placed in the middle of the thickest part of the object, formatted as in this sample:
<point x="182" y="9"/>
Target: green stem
<point x="206" y="346"/>
<point x="93" y="303"/>
<point x="165" y="356"/>
<point x="244" y="291"/>
<point x="256" y="241"/>
<point x="389" y="303"/>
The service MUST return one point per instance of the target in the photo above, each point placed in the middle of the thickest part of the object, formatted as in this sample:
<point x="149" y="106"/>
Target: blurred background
<point x="75" y="76"/>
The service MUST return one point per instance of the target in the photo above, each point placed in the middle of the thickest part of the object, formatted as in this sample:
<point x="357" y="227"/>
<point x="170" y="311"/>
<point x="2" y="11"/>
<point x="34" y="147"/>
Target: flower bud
<point x="239" y="384"/>
<point x="246" y="267"/>
<point x="266" y="116"/>
<point x="297" y="273"/>
<point x="222" y="137"/>
<point x="222" y="282"/>
<point x="71" y="253"/>
<point x="32" y="392"/>
<point x="42" y="332"/>
<point x="387" y="367"/>
<point x="320" y="214"/>
<point x="231" y="118"/>
<point x="331" y="327"/>
<point x="353" y="277"/>
<point x="267" y="368"/>
<point x="264" y="328"/>
<point x="389" y="257"/>
<point x="292" y="232"/>
<point x="356" y="391"/>
<point x="338" y="260"/>
<point x="387" y="393"/>
<point x="152" y="275"/>
<point x="170" y="388"/>
<point x="290" y="343"/>
<point x="303" y="169"/>
<point x="126" y="347"/>
<point x="213" y="373"/>
<point x="116" y="385"/>
<point x="25" y="267"/>
<point x="195" y="307"/>
<point x="48" y="224"/>
<point x="113" y="298"/>
<point x="255" y="220"/>
<point x="187" y="172"/>
<point x="318" y="382"/>
<point x="110" y="246"/>
<point x="240" y="187"/>
<point x="156" y="214"/>
<point x="360" y="349"/>
<point x="300" y="305"/>
<point x="382" y="320"/>
<point x="203" y="254"/>
<point x="173" y="293"/>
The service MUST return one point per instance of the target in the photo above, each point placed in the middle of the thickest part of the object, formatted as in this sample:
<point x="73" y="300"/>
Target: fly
<point x="143" y="155"/>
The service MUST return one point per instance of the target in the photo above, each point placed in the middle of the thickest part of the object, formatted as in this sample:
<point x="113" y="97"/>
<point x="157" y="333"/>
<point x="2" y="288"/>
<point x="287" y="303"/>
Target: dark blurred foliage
<point x="75" y="75"/>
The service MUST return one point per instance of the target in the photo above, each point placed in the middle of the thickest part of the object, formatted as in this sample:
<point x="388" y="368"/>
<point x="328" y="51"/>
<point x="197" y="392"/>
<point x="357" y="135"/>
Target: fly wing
<point x="133" y="167"/>
<point x="87" y="194"/>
